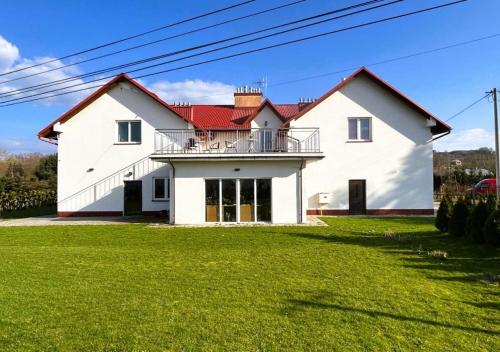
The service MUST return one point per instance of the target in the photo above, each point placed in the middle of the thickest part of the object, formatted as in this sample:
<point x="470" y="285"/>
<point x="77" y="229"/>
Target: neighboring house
<point x="361" y="148"/>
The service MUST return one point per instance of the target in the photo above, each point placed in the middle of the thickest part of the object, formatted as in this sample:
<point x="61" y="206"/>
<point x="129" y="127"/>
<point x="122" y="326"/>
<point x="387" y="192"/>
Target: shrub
<point x="10" y="201"/>
<point x="491" y="203"/>
<point x="443" y="214"/>
<point x="475" y="222"/>
<point x="491" y="229"/>
<point x="458" y="219"/>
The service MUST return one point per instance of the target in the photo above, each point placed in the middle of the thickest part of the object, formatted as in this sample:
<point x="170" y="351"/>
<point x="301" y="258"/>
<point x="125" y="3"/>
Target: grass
<point x="27" y="213"/>
<point x="345" y="287"/>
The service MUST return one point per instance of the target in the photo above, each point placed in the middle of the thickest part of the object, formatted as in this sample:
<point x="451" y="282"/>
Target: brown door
<point x="357" y="197"/>
<point x="133" y="197"/>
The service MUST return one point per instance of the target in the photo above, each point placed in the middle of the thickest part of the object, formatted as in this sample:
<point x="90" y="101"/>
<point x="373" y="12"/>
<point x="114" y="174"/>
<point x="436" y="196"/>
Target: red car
<point x="486" y="186"/>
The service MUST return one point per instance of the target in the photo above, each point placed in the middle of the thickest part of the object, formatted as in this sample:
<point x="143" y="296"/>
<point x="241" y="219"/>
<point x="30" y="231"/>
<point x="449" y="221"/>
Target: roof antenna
<point x="262" y="83"/>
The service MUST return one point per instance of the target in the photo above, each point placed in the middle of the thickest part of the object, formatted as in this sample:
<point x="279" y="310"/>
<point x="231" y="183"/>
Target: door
<point x="228" y="191"/>
<point x="357" y="197"/>
<point x="133" y="197"/>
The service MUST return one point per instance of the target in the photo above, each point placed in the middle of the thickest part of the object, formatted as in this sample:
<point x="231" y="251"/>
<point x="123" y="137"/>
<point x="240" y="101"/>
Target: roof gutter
<point x="47" y="140"/>
<point x="441" y="135"/>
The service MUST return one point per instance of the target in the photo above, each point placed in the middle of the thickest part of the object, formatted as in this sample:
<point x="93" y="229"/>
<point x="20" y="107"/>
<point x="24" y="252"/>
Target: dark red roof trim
<point x="48" y="131"/>
<point x="441" y="126"/>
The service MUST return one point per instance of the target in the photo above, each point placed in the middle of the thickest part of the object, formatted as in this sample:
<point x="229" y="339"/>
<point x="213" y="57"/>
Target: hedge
<point x="10" y="201"/>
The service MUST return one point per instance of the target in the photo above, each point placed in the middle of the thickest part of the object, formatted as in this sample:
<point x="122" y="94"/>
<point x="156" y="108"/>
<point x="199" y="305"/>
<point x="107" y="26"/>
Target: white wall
<point x="397" y="164"/>
<point x="190" y="186"/>
<point x="266" y="115"/>
<point x="89" y="141"/>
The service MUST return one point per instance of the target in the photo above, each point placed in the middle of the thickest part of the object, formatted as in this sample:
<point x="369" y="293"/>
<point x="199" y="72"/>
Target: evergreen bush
<point x="476" y="221"/>
<point x="491" y="229"/>
<point x="458" y="219"/>
<point x="443" y="214"/>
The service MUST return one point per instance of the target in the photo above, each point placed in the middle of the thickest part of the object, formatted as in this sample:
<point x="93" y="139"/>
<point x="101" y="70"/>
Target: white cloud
<point x="194" y="91"/>
<point x="10" y="60"/>
<point x="25" y="145"/>
<point x="9" y="53"/>
<point x="473" y="138"/>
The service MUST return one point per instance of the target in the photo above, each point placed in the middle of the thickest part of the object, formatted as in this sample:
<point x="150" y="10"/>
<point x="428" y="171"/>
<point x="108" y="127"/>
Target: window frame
<point x="167" y="189"/>
<point x="358" y="129"/>
<point x="129" y="132"/>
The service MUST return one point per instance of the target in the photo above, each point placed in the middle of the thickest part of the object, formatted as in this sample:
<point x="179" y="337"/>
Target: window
<point x="161" y="188"/>
<point x="359" y="129"/>
<point x="129" y="132"/>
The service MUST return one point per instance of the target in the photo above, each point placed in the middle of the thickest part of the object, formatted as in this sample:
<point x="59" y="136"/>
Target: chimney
<point x="305" y="102"/>
<point x="247" y="97"/>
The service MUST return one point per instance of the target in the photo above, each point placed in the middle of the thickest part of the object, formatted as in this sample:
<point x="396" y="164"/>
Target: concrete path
<point x="52" y="220"/>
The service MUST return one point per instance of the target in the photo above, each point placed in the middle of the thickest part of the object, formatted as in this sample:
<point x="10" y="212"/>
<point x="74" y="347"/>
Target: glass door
<point x="228" y="192"/>
<point x="247" y="200"/>
<point x="212" y="201"/>
<point x="263" y="199"/>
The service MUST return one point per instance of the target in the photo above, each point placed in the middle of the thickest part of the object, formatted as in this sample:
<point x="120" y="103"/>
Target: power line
<point x="133" y="36"/>
<point x="258" y="49"/>
<point x="469" y="106"/>
<point x="172" y="53"/>
<point x="158" y="40"/>
<point x="404" y="57"/>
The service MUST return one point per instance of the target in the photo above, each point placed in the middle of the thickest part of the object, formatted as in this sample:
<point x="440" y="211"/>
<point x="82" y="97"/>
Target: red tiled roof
<point x="229" y="116"/>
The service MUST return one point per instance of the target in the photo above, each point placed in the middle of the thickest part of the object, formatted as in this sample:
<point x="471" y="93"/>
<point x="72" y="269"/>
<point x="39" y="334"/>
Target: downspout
<point x="172" y="199"/>
<point x="300" y="191"/>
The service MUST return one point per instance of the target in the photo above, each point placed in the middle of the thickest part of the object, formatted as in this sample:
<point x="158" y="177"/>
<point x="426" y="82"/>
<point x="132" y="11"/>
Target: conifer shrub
<point x="458" y="219"/>
<point x="491" y="229"/>
<point x="475" y="222"/>
<point x="443" y="214"/>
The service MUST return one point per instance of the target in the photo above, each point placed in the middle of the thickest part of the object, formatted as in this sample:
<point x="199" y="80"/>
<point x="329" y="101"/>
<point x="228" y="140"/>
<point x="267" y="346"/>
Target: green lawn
<point x="345" y="287"/>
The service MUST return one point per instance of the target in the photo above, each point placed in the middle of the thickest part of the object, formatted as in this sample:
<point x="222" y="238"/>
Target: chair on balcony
<point x="192" y="145"/>
<point x="231" y="145"/>
<point x="213" y="147"/>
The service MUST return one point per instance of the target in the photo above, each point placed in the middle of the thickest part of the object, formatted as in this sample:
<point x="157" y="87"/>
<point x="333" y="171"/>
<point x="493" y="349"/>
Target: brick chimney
<point x="247" y="97"/>
<point x="305" y="102"/>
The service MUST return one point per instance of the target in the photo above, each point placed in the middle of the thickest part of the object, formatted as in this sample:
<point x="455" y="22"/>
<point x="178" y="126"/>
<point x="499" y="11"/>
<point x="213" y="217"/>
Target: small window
<point x="359" y="129"/>
<point x="161" y="188"/>
<point x="129" y="132"/>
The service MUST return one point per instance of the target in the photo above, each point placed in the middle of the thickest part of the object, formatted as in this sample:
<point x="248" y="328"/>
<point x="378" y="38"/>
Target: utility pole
<point x="497" y="157"/>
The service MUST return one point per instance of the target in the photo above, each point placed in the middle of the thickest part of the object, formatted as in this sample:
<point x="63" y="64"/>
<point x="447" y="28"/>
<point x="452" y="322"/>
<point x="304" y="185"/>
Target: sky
<point x="444" y="82"/>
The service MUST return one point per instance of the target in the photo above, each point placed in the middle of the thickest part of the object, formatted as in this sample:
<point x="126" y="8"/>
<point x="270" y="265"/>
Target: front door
<point x="357" y="197"/>
<point x="133" y="198"/>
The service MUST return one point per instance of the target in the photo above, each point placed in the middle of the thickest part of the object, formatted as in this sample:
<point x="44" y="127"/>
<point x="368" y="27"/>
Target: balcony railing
<point x="238" y="141"/>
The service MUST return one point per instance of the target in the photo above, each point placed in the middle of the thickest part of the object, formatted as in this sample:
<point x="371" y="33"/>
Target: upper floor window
<point x="360" y="129"/>
<point x="129" y="131"/>
<point x="161" y="188"/>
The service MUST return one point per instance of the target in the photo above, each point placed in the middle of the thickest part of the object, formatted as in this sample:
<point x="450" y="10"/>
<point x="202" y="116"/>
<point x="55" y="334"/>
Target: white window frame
<point x="129" y="134"/>
<point x="358" y="129"/>
<point x="167" y="189"/>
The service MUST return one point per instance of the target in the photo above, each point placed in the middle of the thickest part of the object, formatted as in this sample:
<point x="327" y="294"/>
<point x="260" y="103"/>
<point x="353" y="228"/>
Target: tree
<point x="476" y="221"/>
<point x="491" y="229"/>
<point x="458" y="219"/>
<point x="47" y="169"/>
<point x="443" y="214"/>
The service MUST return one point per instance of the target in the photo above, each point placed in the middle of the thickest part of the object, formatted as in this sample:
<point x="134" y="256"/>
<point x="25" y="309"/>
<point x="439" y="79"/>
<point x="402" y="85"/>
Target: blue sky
<point x="443" y="82"/>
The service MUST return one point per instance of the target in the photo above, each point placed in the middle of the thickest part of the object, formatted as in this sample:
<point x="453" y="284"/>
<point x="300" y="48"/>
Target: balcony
<point x="237" y="143"/>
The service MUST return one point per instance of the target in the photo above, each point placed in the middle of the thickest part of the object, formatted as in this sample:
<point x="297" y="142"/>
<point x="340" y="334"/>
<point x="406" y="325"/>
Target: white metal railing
<point x="241" y="141"/>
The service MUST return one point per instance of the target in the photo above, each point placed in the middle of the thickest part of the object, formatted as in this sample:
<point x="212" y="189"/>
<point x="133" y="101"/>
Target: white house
<point x="361" y="148"/>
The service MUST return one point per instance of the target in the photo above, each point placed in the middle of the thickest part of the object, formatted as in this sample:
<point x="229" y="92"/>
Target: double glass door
<point x="238" y="200"/>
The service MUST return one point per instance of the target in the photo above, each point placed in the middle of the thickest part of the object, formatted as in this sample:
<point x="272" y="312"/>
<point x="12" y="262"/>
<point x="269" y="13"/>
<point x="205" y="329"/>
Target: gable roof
<point x="48" y="132"/>
<point x="229" y="116"/>
<point x="441" y="126"/>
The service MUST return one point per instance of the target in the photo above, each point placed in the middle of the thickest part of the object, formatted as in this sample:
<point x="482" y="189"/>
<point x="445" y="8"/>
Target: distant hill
<point x="483" y="158"/>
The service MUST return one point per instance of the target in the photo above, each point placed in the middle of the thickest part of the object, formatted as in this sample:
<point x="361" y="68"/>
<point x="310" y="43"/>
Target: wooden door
<point x="357" y="197"/>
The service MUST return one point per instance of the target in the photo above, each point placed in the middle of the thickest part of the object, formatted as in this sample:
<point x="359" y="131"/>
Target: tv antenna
<point x="262" y="83"/>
